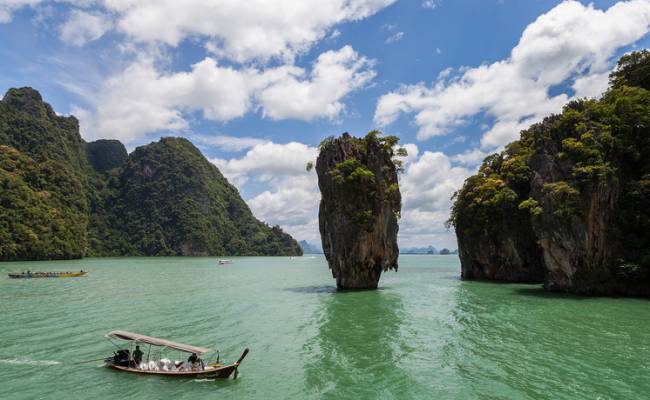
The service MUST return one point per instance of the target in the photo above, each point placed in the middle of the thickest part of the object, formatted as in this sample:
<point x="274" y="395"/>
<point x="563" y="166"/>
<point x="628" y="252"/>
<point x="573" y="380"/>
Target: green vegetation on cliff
<point x="583" y="178"/>
<point x="169" y="200"/>
<point x="63" y="198"/>
<point x="361" y="186"/>
<point x="359" y="208"/>
<point x="43" y="178"/>
<point x="105" y="155"/>
<point x="42" y="215"/>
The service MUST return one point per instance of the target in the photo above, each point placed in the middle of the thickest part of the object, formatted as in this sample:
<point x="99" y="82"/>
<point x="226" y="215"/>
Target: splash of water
<point x="32" y="363"/>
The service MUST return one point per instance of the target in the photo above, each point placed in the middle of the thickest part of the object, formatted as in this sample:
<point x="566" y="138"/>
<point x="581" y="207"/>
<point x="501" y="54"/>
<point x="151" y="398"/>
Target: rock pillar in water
<point x="359" y="208"/>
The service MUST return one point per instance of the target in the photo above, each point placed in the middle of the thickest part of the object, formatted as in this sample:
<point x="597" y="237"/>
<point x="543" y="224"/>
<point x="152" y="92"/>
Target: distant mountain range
<point x="310" y="248"/>
<point x="419" y="250"/>
<point x="426" y="250"/>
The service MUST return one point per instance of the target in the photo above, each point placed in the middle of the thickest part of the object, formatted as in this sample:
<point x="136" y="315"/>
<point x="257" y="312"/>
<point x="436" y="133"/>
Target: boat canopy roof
<point x="138" y="338"/>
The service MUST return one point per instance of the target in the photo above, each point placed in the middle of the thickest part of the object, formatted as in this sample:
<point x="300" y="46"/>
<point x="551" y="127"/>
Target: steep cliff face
<point x="582" y="179"/>
<point x="573" y="228"/>
<point x="495" y="237"/>
<point x="359" y="208"/>
<point x="510" y="255"/>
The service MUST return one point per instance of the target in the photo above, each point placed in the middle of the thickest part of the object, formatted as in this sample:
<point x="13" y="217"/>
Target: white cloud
<point x="591" y="85"/>
<point x="395" y="38"/>
<point x="427" y="186"/>
<point x="571" y="43"/>
<point x="429" y="182"/>
<point x="333" y="76"/>
<point x="420" y="228"/>
<point x="269" y="161"/>
<point x="411" y="151"/>
<point x="291" y="198"/>
<point x="430" y="4"/>
<point x="286" y="205"/>
<point x="82" y="27"/>
<point x="292" y="202"/>
<point x="142" y="99"/>
<point x="240" y="30"/>
<point x="147" y="95"/>
<point x="243" y="31"/>
<point x="471" y="157"/>
<point x="8" y="7"/>
<point x="229" y="143"/>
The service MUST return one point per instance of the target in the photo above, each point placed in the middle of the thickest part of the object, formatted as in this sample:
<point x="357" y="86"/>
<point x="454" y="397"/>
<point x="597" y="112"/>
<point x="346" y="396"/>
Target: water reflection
<point x="312" y="289"/>
<point x="357" y="352"/>
<point x="511" y="342"/>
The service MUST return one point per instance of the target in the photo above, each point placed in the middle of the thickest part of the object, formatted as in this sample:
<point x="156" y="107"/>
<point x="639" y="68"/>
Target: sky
<point x="256" y="85"/>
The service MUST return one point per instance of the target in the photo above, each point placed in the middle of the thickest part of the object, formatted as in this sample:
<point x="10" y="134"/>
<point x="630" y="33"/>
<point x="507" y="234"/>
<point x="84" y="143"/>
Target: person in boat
<point x="137" y="356"/>
<point x="195" y="361"/>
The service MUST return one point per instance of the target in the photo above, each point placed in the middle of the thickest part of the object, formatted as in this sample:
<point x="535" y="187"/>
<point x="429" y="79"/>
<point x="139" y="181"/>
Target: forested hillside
<point x="63" y="198"/>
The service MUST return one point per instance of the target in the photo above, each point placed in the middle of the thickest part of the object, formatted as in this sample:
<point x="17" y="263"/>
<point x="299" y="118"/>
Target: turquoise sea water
<point x="424" y="335"/>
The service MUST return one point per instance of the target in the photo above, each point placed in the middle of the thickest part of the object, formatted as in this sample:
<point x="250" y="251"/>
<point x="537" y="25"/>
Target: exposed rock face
<point x="495" y="238"/>
<point x="573" y="229"/>
<point x="572" y="196"/>
<point x="359" y="208"/>
<point x="509" y="255"/>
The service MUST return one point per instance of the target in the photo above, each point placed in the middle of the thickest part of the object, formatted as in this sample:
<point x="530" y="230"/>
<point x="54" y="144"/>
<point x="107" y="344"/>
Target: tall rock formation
<point x="359" y="208"/>
<point x="570" y="198"/>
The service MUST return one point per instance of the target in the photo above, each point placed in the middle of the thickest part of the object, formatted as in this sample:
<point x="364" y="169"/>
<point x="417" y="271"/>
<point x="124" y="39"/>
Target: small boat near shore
<point x="46" y="274"/>
<point x="223" y="262"/>
<point x="126" y="360"/>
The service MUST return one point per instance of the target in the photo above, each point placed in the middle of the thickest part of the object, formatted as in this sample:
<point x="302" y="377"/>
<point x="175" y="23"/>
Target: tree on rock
<point x="359" y="208"/>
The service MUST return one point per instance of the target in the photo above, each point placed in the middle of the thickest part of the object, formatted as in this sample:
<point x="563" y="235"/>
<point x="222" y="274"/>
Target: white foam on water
<point x="33" y="363"/>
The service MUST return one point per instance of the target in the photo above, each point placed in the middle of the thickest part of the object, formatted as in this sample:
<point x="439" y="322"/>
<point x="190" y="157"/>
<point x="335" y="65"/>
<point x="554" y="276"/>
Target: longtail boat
<point x="194" y="367"/>
<point x="49" y="274"/>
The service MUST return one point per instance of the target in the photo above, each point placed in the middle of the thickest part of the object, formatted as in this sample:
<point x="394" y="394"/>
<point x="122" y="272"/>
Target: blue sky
<point x="257" y="85"/>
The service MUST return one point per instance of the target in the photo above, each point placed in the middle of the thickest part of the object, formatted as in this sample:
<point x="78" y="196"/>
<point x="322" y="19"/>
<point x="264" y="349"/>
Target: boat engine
<point x="121" y="358"/>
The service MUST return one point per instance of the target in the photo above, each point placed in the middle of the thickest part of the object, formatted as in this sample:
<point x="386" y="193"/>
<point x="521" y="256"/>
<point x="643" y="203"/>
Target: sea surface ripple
<point x="424" y="335"/>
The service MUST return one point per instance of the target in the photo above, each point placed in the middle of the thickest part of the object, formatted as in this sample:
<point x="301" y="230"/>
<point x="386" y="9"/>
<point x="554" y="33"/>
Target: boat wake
<point x="32" y="363"/>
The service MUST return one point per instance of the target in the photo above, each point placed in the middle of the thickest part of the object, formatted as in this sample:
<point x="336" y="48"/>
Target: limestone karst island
<point x="349" y="199"/>
<point x="359" y="208"/>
